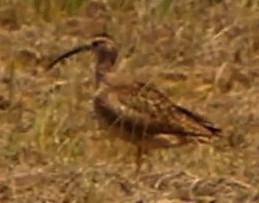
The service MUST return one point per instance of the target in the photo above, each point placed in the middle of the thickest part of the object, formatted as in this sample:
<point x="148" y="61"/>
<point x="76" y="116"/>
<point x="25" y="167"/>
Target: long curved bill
<point x="83" y="47"/>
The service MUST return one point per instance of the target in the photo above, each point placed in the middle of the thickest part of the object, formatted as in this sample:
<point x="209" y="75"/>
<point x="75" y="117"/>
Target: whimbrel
<point x="144" y="115"/>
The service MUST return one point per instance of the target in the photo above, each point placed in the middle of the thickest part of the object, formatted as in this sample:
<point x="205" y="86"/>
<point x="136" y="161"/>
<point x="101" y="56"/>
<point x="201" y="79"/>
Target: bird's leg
<point x="139" y="158"/>
<point x="142" y="152"/>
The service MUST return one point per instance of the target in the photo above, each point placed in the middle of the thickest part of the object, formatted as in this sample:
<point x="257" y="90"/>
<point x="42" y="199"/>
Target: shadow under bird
<point x="139" y="111"/>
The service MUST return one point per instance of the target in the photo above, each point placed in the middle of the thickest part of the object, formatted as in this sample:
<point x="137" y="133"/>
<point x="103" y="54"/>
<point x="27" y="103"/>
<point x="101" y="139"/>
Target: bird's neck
<point x="101" y="70"/>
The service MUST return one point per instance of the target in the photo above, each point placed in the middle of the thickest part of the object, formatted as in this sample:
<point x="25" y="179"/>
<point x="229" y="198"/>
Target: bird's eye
<point x="95" y="43"/>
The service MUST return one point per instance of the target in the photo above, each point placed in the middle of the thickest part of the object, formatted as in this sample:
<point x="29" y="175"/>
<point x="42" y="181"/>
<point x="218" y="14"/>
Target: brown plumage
<point x="143" y="115"/>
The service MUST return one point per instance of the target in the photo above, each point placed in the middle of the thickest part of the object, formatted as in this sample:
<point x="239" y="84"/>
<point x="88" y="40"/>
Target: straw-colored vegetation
<point x="204" y="54"/>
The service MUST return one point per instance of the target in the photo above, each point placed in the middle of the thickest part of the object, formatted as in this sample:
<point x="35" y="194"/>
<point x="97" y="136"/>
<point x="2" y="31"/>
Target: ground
<point x="203" y="54"/>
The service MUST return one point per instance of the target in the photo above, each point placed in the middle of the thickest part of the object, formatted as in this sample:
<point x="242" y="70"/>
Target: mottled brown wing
<point x="141" y="108"/>
<point x="188" y="122"/>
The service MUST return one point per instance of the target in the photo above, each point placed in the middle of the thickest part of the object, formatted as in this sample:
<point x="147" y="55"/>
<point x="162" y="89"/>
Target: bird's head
<point x="102" y="46"/>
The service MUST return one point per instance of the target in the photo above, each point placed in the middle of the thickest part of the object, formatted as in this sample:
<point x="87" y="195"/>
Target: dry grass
<point x="206" y="53"/>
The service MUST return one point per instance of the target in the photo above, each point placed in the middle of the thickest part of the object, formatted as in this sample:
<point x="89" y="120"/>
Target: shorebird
<point x="142" y="113"/>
